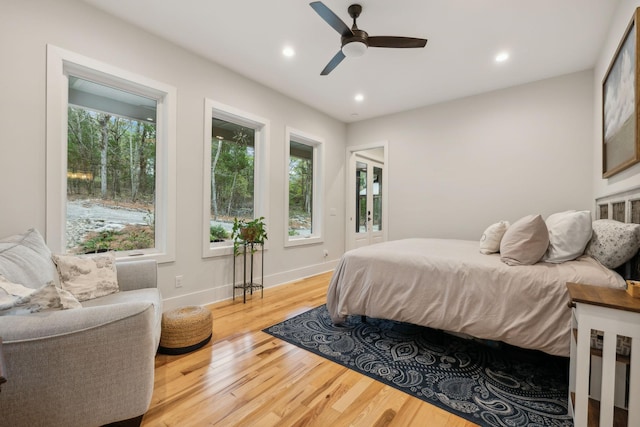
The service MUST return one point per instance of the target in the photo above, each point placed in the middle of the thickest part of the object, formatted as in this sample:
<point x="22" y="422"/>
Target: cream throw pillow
<point x="525" y="241"/>
<point x="569" y="234"/>
<point x="492" y="236"/>
<point x="88" y="276"/>
<point x="19" y="299"/>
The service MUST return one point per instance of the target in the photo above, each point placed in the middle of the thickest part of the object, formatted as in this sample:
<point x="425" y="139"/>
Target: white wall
<point x="630" y="177"/>
<point x="26" y="27"/>
<point x="454" y="168"/>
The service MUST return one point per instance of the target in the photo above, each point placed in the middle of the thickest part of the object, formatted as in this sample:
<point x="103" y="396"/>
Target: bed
<point x="449" y="285"/>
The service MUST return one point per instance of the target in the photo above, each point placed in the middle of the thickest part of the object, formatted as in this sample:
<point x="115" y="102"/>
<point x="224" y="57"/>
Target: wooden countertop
<point x="617" y="299"/>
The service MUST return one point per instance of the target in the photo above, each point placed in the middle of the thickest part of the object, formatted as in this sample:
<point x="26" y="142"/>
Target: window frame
<point x="61" y="63"/>
<point x="317" y="202"/>
<point x="261" y="126"/>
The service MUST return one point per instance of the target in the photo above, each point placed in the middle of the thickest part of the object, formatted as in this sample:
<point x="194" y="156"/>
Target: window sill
<point x="301" y="241"/>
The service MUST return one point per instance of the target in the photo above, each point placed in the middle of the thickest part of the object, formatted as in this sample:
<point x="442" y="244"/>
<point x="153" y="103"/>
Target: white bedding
<point x="449" y="285"/>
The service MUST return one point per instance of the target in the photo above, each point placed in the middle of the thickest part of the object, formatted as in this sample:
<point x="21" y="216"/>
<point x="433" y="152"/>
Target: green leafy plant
<point x="98" y="242"/>
<point x="250" y="232"/>
<point x="217" y="233"/>
<point x="132" y="237"/>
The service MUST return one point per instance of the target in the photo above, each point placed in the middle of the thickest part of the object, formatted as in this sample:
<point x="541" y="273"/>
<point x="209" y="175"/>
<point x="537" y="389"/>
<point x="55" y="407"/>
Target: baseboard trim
<point x="224" y="292"/>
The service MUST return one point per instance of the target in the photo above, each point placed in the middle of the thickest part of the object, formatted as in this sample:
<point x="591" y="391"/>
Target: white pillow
<point x="525" y="241"/>
<point x="19" y="299"/>
<point x="26" y="259"/>
<point x="492" y="236"/>
<point x="613" y="242"/>
<point x="88" y="276"/>
<point x="569" y="234"/>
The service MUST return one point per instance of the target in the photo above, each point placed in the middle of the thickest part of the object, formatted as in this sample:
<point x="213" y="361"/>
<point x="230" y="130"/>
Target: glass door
<point x="368" y="201"/>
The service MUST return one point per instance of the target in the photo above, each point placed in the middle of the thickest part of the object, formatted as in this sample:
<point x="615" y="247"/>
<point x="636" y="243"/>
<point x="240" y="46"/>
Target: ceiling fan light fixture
<point x="354" y="49"/>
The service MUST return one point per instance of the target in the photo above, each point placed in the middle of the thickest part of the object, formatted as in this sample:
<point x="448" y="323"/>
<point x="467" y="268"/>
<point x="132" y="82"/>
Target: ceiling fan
<point x="355" y="41"/>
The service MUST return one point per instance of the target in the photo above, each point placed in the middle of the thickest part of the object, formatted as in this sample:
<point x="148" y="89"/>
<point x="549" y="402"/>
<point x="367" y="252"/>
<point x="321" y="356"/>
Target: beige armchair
<point x="89" y="366"/>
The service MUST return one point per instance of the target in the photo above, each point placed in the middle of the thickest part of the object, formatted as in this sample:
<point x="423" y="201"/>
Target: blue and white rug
<point x="490" y="386"/>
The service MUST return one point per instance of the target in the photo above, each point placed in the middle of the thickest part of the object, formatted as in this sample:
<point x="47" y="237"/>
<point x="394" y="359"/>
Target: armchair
<point x="89" y="366"/>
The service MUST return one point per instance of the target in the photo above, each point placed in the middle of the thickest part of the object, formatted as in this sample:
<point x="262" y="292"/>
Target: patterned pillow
<point x="88" y="276"/>
<point x="490" y="240"/>
<point x="19" y="299"/>
<point x="613" y="242"/>
<point x="26" y="259"/>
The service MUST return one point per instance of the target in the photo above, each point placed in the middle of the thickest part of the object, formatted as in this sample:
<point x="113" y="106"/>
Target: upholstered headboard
<point x="624" y="207"/>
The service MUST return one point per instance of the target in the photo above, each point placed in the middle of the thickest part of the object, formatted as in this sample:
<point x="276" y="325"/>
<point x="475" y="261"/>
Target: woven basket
<point x="185" y="329"/>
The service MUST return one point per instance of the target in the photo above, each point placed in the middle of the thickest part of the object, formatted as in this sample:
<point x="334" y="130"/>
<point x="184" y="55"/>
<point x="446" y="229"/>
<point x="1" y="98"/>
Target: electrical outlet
<point x="179" y="281"/>
<point x="325" y="253"/>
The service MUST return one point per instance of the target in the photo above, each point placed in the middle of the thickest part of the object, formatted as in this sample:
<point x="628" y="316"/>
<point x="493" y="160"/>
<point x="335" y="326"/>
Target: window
<point x="110" y="160"/>
<point x="235" y="160"/>
<point x="303" y="194"/>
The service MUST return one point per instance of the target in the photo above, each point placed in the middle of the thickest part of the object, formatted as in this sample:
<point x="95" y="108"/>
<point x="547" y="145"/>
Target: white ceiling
<point x="543" y="37"/>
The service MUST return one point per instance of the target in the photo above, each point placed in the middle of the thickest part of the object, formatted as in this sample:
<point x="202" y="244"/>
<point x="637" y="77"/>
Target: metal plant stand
<point x="248" y="250"/>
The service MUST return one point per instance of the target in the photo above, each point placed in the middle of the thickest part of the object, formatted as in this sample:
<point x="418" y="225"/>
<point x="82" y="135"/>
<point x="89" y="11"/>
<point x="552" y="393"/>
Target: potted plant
<point x="251" y="232"/>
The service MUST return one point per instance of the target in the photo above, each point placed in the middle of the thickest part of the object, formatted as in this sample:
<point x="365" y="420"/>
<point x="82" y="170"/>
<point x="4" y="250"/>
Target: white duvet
<point x="449" y="285"/>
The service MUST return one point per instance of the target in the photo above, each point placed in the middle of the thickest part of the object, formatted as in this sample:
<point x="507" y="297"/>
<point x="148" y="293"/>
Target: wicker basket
<point x="185" y="329"/>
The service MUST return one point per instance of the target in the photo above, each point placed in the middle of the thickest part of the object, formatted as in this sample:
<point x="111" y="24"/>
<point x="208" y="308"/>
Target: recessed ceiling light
<point x="502" y="56"/>
<point x="288" y="51"/>
<point x="359" y="97"/>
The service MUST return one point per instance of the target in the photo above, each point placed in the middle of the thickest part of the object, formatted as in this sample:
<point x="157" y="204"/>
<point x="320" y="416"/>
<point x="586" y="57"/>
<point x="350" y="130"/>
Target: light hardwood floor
<point x="247" y="377"/>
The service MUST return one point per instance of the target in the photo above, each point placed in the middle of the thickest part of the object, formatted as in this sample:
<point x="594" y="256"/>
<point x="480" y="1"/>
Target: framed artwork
<point x="620" y="93"/>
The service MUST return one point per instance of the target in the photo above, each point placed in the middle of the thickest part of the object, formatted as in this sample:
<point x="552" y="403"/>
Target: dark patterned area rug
<point x="488" y="385"/>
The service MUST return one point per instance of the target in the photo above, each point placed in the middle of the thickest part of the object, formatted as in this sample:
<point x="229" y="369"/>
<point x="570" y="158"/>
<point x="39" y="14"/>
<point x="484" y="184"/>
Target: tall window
<point x="235" y="169"/>
<point x="117" y="148"/>
<point x="111" y="169"/>
<point x="303" y="188"/>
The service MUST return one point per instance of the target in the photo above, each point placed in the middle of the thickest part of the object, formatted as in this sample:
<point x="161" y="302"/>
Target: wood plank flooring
<point x="245" y="377"/>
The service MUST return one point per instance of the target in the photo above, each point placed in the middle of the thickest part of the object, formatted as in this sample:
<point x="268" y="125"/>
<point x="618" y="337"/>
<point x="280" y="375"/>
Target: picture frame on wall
<point x="620" y="93"/>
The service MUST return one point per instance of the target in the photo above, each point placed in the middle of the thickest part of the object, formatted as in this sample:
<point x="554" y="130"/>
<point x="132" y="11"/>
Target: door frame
<point x="350" y="184"/>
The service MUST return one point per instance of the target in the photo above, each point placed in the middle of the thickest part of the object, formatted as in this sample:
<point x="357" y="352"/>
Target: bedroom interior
<point x="460" y="148"/>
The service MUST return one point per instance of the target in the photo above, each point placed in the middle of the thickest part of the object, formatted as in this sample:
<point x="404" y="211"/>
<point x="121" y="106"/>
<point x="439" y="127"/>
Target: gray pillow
<point x="613" y="242"/>
<point x="525" y="241"/>
<point x="25" y="259"/>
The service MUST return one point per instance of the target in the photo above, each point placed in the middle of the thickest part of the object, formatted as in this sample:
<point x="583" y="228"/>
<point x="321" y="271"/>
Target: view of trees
<point x="232" y="169"/>
<point x="112" y="159"/>
<point x="300" y="195"/>
<point x="111" y="162"/>
<point x="232" y="180"/>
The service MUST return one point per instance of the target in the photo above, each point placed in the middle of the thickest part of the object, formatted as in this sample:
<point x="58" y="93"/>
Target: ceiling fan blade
<point x="389" y="41"/>
<point x="331" y="18"/>
<point x="333" y="63"/>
